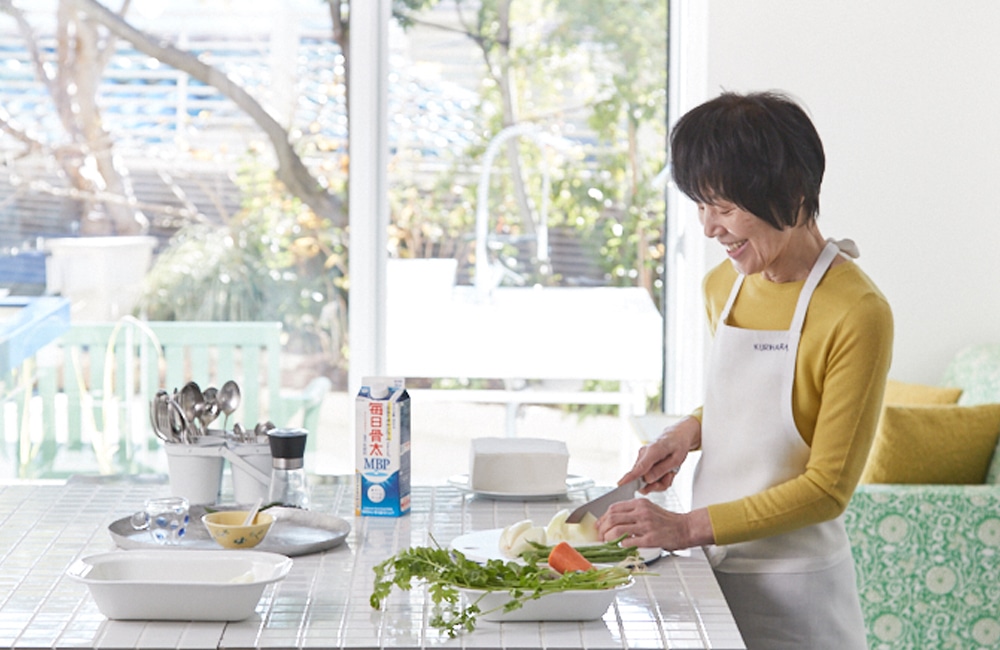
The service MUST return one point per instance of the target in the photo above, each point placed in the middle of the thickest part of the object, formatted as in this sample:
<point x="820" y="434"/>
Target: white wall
<point x="906" y="95"/>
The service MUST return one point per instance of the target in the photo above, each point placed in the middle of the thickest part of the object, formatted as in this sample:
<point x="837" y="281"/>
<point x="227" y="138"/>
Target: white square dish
<point x="189" y="586"/>
<point x="577" y="605"/>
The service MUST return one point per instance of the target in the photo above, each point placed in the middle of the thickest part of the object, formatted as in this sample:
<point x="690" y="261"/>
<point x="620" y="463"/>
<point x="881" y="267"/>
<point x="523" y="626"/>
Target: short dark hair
<point x="759" y="151"/>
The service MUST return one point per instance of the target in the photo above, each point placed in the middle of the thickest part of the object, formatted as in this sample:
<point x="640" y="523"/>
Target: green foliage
<point x="444" y="572"/>
<point x="628" y="55"/>
<point x="558" y="64"/>
<point x="432" y="222"/>
<point x="402" y="10"/>
<point x="565" y="67"/>
<point x="274" y="260"/>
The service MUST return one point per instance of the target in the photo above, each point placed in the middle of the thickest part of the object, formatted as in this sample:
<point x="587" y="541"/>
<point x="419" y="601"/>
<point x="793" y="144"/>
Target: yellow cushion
<point x="899" y="392"/>
<point x="933" y="444"/>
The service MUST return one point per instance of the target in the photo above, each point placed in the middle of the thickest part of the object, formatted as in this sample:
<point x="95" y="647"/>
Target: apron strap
<point x="826" y="257"/>
<point x="823" y="262"/>
<point x="735" y="291"/>
<point x="847" y="247"/>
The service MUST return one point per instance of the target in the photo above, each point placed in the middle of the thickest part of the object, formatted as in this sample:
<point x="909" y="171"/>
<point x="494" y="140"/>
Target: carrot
<point x="564" y="557"/>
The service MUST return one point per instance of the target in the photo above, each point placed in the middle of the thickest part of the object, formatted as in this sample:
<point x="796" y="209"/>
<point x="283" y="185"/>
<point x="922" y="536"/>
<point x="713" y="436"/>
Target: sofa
<point x="928" y="555"/>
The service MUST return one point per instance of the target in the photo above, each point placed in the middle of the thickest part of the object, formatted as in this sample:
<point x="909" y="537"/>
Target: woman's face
<point x="753" y="245"/>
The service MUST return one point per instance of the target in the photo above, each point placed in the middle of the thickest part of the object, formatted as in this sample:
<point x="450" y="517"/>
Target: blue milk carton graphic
<point x="382" y="473"/>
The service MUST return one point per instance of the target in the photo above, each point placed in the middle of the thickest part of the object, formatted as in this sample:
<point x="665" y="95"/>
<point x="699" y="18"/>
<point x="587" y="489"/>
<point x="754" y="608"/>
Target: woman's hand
<point x="648" y="525"/>
<point x="659" y="461"/>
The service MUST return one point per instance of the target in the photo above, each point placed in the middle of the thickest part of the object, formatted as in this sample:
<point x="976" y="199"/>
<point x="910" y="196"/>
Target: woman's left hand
<point x="649" y="526"/>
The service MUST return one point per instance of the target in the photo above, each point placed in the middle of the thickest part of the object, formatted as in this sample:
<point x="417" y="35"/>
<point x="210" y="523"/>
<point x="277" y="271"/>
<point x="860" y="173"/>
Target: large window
<point x="495" y="231"/>
<point x="525" y="249"/>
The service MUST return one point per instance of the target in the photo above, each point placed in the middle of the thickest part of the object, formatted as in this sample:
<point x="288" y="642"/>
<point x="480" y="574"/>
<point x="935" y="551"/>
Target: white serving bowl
<point x="179" y="586"/>
<point x="575" y="605"/>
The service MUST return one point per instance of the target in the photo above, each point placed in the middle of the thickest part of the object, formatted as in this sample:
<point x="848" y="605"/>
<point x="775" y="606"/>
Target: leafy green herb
<point x="611" y="552"/>
<point x="446" y="571"/>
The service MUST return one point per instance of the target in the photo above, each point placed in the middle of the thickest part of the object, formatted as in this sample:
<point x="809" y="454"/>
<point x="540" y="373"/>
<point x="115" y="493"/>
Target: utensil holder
<point x="251" y="470"/>
<point x="195" y="469"/>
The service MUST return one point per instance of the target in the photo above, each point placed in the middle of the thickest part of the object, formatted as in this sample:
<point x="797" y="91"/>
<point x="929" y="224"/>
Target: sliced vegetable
<point x="584" y="532"/>
<point x="607" y="553"/>
<point x="564" y="559"/>
<point x="558" y="530"/>
<point x="517" y="538"/>
<point x="555" y="531"/>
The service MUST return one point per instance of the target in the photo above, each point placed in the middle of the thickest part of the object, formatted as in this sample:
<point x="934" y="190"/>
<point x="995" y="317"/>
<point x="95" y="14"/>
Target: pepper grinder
<point x="288" y="478"/>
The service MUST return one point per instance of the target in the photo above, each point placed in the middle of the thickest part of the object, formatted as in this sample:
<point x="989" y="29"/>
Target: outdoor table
<point x="324" y="601"/>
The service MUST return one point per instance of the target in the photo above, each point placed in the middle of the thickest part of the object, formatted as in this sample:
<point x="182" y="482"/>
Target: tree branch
<point x="291" y="170"/>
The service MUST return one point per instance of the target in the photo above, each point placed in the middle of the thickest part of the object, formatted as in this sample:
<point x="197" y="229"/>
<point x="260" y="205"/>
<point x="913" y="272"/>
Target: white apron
<point x="795" y="590"/>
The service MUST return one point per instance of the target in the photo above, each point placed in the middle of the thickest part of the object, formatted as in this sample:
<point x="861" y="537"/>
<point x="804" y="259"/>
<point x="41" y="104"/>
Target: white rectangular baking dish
<point x="188" y="586"/>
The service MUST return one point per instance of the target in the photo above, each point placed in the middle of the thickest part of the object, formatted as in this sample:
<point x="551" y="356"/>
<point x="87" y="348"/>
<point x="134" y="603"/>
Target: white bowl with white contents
<point x="572" y="605"/>
<point x="179" y="586"/>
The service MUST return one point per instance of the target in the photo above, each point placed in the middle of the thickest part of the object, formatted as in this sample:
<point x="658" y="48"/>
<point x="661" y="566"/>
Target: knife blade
<point x="599" y="506"/>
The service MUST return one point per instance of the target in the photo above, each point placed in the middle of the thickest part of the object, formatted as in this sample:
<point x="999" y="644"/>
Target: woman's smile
<point x="755" y="246"/>
<point x="733" y="249"/>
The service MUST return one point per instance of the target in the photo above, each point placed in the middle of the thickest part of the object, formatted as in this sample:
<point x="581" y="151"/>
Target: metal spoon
<point x="191" y="401"/>
<point x="159" y="416"/>
<point x="210" y="407"/>
<point x="229" y="400"/>
<point x="170" y="418"/>
<point x="179" y="425"/>
<point x="261" y="430"/>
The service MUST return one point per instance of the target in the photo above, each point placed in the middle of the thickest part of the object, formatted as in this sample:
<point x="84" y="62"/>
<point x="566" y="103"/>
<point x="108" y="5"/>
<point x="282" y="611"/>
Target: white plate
<point x="573" y="484"/>
<point x="484" y="545"/>
<point x="577" y="605"/>
<point x="294" y="532"/>
<point x="164" y="585"/>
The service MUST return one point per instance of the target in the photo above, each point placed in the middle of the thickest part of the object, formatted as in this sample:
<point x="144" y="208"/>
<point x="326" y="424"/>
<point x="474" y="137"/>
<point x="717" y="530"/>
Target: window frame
<point x="684" y="332"/>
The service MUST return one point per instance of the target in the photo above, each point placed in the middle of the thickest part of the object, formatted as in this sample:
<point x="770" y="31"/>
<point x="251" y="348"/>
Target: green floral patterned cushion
<point x="928" y="563"/>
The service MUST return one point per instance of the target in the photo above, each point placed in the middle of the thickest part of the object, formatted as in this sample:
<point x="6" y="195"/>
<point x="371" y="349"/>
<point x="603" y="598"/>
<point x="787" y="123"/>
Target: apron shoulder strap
<point x="735" y="291"/>
<point x="816" y="274"/>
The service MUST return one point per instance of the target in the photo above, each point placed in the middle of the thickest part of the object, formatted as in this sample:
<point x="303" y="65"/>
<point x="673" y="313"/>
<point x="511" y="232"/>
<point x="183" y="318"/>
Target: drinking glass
<point x="166" y="519"/>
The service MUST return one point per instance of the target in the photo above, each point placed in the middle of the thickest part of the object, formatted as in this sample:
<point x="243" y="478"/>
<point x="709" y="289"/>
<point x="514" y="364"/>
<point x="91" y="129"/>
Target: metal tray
<point x="294" y="532"/>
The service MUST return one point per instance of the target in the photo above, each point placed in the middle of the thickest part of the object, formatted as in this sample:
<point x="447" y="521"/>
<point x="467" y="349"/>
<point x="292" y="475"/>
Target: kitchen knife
<point x="599" y="506"/>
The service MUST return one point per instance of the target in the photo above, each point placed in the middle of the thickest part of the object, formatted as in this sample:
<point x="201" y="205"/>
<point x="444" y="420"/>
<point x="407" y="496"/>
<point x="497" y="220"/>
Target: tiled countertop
<point x="323" y="603"/>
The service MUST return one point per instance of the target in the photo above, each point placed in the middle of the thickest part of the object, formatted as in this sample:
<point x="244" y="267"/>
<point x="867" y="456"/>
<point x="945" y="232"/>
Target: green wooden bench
<point x="91" y="389"/>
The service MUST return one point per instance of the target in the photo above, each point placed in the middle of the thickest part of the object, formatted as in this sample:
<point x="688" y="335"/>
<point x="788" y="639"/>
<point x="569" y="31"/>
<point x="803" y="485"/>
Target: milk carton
<point x="382" y="474"/>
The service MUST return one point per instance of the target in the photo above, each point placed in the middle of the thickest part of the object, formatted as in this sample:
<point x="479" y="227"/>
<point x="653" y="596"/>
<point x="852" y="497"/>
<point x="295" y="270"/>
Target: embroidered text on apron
<point x="749" y="443"/>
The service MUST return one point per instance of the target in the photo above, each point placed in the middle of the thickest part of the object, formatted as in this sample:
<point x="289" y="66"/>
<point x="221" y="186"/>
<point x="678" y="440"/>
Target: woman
<point x="801" y="348"/>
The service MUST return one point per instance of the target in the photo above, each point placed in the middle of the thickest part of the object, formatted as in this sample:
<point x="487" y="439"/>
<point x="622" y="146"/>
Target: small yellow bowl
<point x="227" y="528"/>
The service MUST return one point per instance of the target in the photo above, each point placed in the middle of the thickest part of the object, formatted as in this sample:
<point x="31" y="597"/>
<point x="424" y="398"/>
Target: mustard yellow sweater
<point x="840" y="376"/>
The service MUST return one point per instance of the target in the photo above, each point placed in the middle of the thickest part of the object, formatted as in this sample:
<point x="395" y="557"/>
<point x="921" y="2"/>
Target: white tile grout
<point x="44" y="527"/>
